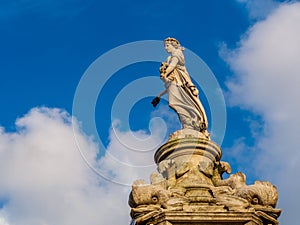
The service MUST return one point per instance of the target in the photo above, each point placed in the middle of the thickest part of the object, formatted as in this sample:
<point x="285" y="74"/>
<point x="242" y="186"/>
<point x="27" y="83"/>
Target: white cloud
<point x="169" y="117"/>
<point x="131" y="153"/>
<point x="46" y="182"/>
<point x="266" y="67"/>
<point x="3" y="221"/>
<point x="259" y="9"/>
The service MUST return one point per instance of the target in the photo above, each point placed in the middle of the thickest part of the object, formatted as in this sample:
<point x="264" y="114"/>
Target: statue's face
<point x="169" y="48"/>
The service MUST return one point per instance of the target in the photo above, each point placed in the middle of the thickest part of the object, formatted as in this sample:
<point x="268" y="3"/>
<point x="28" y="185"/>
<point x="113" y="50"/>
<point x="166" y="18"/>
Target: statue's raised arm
<point x="183" y="95"/>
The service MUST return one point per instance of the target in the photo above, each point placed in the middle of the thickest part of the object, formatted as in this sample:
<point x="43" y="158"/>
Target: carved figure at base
<point x="183" y="95"/>
<point x="189" y="185"/>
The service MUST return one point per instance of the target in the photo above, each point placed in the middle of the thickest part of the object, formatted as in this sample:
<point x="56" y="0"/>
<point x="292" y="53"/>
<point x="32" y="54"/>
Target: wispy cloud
<point x="266" y="67"/>
<point x="44" y="179"/>
<point x="169" y="117"/>
<point x="259" y="9"/>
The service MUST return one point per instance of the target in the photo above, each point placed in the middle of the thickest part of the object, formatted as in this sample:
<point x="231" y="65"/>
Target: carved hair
<point x="174" y="42"/>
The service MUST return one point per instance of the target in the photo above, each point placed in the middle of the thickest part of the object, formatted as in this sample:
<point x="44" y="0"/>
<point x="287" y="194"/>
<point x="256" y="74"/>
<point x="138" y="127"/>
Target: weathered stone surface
<point x="183" y="95"/>
<point x="206" y="218"/>
<point x="189" y="188"/>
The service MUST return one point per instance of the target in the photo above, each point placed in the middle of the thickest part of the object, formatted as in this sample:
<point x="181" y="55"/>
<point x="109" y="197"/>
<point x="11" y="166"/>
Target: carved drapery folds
<point x="189" y="187"/>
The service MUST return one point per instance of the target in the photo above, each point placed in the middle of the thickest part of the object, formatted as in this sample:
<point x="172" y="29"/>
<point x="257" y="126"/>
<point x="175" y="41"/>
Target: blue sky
<point x="48" y="47"/>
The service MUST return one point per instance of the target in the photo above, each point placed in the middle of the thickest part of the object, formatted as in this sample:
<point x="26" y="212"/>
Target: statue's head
<point x="174" y="42"/>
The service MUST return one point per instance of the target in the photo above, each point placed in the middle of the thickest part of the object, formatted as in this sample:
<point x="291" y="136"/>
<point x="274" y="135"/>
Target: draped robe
<point x="183" y="95"/>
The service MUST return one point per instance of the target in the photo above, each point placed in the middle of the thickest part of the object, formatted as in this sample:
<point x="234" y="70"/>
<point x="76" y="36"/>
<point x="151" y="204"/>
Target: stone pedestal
<point x="206" y="218"/>
<point x="189" y="189"/>
<point x="188" y="160"/>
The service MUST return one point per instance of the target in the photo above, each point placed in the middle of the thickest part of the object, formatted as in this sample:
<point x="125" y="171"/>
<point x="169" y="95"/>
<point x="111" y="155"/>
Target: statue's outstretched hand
<point x="155" y="101"/>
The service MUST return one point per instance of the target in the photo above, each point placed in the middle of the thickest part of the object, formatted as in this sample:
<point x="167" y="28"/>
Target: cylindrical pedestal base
<point x="190" y="161"/>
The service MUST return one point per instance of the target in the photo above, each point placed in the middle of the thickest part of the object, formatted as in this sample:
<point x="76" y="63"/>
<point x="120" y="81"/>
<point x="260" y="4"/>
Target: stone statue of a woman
<point x="182" y="93"/>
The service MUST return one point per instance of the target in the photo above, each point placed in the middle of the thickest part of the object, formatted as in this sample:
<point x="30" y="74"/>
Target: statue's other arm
<point x="156" y="100"/>
<point x="162" y="93"/>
